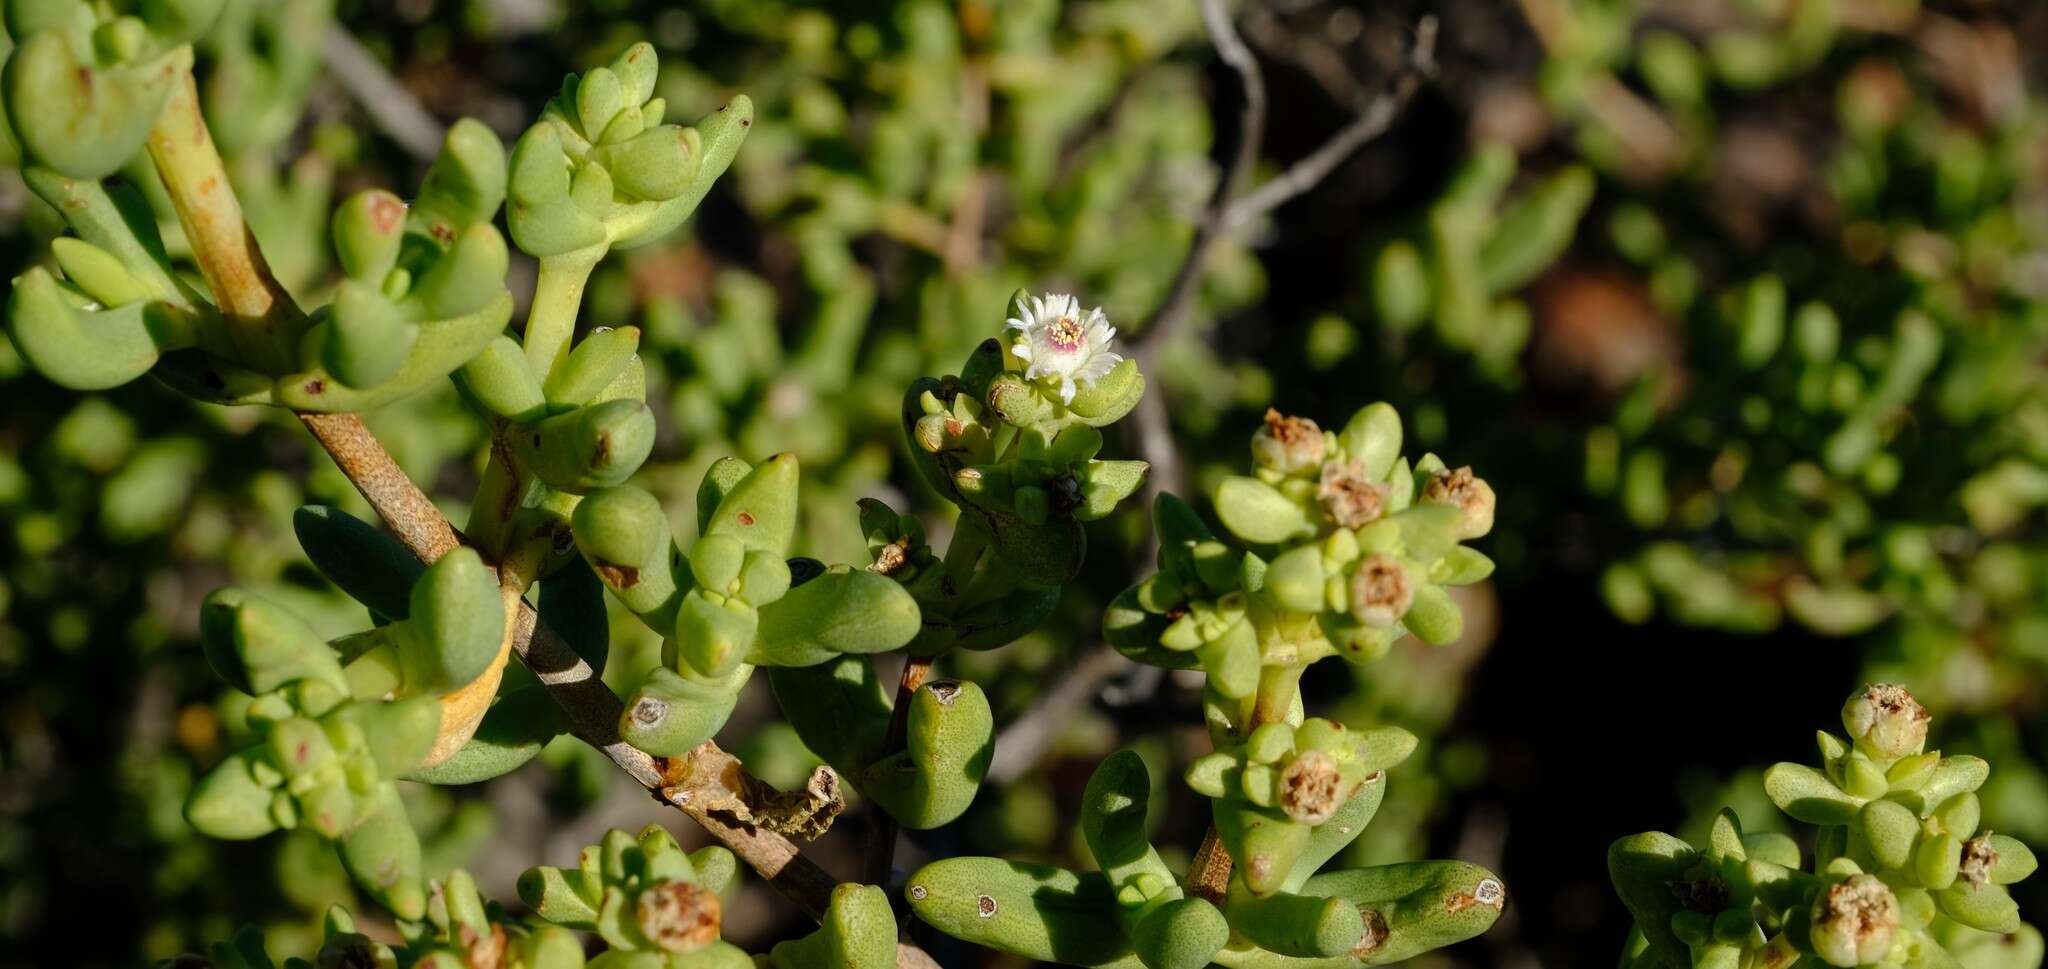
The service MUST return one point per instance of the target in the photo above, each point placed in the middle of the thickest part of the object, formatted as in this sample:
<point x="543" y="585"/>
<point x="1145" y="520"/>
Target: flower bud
<point x="1854" y="921"/>
<point x="1468" y="493"/>
<point x="1886" y="722"/>
<point x="367" y="230"/>
<point x="1288" y="445"/>
<point x="1381" y="591"/>
<point x="1016" y="401"/>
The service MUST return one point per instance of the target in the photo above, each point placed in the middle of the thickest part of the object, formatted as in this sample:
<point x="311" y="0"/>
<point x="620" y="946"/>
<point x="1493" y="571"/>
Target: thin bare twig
<point x="1024" y="742"/>
<point x="1251" y="128"/>
<point x="1370" y="123"/>
<point x="391" y="107"/>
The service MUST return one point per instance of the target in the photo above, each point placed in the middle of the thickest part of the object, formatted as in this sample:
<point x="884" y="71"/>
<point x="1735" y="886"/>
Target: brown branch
<point x="1021" y="744"/>
<point x="1251" y="127"/>
<point x="881" y="854"/>
<point x="592" y="708"/>
<point x="1370" y="123"/>
<point x="260" y="314"/>
<point x="1209" y="872"/>
<point x="418" y="524"/>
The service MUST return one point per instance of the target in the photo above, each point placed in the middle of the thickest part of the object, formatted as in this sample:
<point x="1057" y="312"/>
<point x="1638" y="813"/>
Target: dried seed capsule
<point x="1855" y="921"/>
<point x="1886" y="722"/>
<point x="677" y="916"/>
<point x="1349" y="495"/>
<point x="1287" y="445"/>
<point x="1470" y="495"/>
<point x="1381" y="591"/>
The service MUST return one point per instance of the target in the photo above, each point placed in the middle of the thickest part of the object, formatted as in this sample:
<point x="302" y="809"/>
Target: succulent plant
<point x="1904" y="870"/>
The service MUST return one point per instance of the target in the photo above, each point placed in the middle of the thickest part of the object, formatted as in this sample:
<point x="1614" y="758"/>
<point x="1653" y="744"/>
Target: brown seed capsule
<point x="1979" y="857"/>
<point x="1380" y="591"/>
<point x="1886" y="721"/>
<point x="1854" y="921"/>
<point x="1311" y="789"/>
<point x="679" y="916"/>
<point x="892" y="557"/>
<point x="1468" y="493"/>
<point x="1375" y="934"/>
<point x="1287" y="444"/>
<point x="1349" y="496"/>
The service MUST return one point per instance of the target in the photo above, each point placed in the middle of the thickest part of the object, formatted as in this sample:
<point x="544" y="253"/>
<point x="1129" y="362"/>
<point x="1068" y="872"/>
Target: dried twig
<point x="1021" y="744"/>
<point x="391" y="107"/>
<point x="881" y="854"/>
<point x="1370" y="123"/>
<point x="1251" y="127"/>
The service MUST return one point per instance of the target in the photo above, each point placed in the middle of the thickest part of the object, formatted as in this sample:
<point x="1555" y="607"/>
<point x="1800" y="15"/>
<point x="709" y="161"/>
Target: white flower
<point x="1058" y="340"/>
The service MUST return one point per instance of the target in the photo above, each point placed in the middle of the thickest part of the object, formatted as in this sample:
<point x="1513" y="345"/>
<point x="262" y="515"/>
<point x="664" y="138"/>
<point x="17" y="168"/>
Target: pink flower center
<point x="1066" y="334"/>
